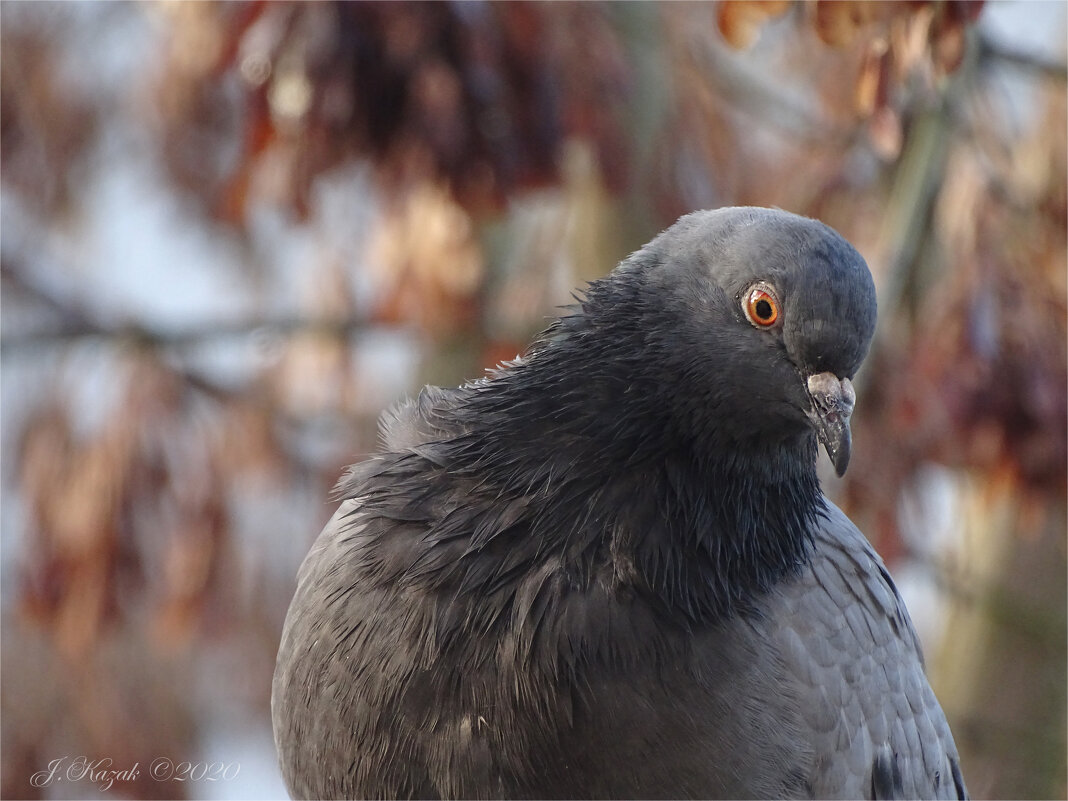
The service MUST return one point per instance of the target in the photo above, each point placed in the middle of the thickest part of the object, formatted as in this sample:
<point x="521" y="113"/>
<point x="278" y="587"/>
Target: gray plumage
<point x="607" y="570"/>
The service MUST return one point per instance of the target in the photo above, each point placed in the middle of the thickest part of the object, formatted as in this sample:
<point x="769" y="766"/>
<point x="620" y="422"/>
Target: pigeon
<point x="607" y="569"/>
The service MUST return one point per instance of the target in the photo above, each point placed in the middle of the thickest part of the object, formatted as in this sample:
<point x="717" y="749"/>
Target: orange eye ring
<point x="761" y="306"/>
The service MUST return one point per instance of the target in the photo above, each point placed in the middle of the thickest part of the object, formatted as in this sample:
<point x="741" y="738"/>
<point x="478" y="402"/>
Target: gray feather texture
<point x="607" y="570"/>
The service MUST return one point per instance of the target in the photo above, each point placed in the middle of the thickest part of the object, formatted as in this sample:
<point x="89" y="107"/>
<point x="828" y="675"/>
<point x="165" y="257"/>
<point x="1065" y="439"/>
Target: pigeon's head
<point x="770" y="316"/>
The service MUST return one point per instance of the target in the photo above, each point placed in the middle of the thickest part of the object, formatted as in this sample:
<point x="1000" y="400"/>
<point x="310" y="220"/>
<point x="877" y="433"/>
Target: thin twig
<point x="1048" y="68"/>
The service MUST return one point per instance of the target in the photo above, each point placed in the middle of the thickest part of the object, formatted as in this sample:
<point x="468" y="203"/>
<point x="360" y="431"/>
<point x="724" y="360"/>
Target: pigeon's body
<point x="608" y="569"/>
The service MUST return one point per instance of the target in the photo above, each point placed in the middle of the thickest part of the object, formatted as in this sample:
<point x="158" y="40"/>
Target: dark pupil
<point x="763" y="309"/>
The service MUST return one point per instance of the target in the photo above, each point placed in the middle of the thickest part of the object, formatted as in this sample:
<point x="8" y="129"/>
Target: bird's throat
<point x="723" y="533"/>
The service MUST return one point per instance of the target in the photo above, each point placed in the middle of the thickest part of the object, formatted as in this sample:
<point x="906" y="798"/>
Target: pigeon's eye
<point x="760" y="305"/>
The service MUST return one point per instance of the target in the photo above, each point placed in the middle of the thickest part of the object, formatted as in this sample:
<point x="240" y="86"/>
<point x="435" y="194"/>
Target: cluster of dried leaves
<point x="898" y="43"/>
<point x="478" y="97"/>
<point x="152" y="464"/>
<point x="905" y="33"/>
<point x="44" y="125"/>
<point x="973" y="374"/>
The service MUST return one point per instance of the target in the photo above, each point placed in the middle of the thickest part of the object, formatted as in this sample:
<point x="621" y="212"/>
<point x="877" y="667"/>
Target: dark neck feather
<point x="703" y="522"/>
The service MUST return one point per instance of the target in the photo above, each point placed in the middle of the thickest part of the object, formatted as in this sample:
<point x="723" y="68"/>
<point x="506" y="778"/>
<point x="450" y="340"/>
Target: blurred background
<point x="233" y="233"/>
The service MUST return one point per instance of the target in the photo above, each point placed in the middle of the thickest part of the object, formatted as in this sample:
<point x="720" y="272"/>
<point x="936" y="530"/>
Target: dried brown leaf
<point x="838" y="21"/>
<point x="45" y="449"/>
<point x="428" y="261"/>
<point x="80" y="613"/>
<point x="189" y="564"/>
<point x="885" y="133"/>
<point x="83" y="515"/>
<point x="909" y="35"/>
<point x="740" y="20"/>
<point x="311" y="376"/>
<point x="870" y="90"/>
<point x="248" y="443"/>
<point x="948" y="42"/>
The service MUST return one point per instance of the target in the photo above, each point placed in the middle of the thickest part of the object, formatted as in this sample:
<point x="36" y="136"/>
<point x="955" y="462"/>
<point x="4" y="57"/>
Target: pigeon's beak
<point x="832" y="404"/>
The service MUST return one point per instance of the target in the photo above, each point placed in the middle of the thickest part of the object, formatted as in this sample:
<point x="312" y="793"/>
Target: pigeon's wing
<point x="375" y="693"/>
<point x="355" y="634"/>
<point x="334" y="678"/>
<point x="846" y="639"/>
